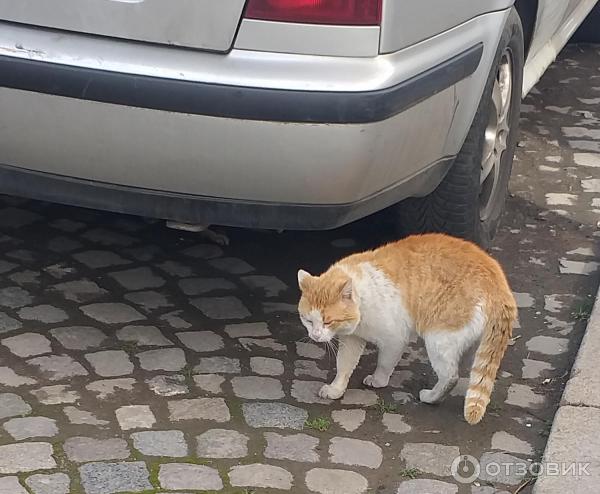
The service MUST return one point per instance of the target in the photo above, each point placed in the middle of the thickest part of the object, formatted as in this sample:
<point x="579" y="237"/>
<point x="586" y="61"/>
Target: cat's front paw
<point x="427" y="396"/>
<point x="330" y="392"/>
<point x="375" y="382"/>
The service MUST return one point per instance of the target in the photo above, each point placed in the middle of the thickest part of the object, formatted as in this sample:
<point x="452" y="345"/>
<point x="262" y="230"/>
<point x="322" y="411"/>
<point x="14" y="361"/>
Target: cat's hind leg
<point x="445" y="350"/>
<point x="350" y="350"/>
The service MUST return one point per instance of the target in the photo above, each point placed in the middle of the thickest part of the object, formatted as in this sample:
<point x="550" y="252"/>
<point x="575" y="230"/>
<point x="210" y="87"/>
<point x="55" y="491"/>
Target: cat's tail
<point x="501" y="316"/>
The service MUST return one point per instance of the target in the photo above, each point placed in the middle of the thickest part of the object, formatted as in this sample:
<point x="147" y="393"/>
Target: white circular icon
<point x="465" y="469"/>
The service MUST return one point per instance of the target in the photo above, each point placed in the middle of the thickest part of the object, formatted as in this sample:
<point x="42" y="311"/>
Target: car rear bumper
<point x="248" y="138"/>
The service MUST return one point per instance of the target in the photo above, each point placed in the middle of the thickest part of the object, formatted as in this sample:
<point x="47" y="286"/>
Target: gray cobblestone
<point x="218" y="365"/>
<point x="43" y="313"/>
<point x="135" y="417"/>
<point x="160" y="443"/>
<point x="214" y="409"/>
<point x="12" y="405"/>
<point x="10" y="378"/>
<point x="168" y="359"/>
<point x="222" y="443"/>
<point x="200" y="286"/>
<point x="429" y="457"/>
<point x="11" y="485"/>
<point x="257" y="388"/>
<point x="58" y="367"/>
<point x="149" y="300"/>
<point x="79" y="337"/>
<point x="201" y="341"/>
<point x="28" y="427"/>
<point x="274" y="415"/>
<point x="14" y="297"/>
<point x="210" y="383"/>
<point x="28" y="344"/>
<point x="426" y="486"/>
<point x="112" y="313"/>
<point x="26" y="457"/>
<point x="327" y="481"/>
<point x="55" y="395"/>
<point x="221" y="307"/>
<point x="113" y="478"/>
<point x="7" y="323"/>
<point x="231" y="265"/>
<point x="266" y="366"/>
<point x="168" y="385"/>
<point x="143" y="336"/>
<point x="296" y="447"/>
<point x="349" y="420"/>
<point x="138" y="278"/>
<point x="248" y="329"/>
<point x="110" y="363"/>
<point x="56" y="483"/>
<point x="108" y="387"/>
<point x="186" y="476"/>
<point x="80" y="291"/>
<point x="258" y="475"/>
<point x="355" y="452"/>
<point x="84" y="449"/>
<point x="96" y="259"/>
<point x="82" y="417"/>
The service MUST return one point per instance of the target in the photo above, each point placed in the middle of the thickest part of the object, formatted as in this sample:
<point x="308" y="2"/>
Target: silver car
<point x="284" y="114"/>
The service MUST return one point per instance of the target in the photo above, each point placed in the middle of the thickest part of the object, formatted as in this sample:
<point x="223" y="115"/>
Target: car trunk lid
<point x="201" y="24"/>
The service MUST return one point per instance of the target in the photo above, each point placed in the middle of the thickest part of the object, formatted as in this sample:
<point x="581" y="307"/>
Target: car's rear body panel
<point x="202" y="24"/>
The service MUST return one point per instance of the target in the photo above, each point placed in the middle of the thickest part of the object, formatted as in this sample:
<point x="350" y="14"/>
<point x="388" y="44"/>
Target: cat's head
<point x="328" y="305"/>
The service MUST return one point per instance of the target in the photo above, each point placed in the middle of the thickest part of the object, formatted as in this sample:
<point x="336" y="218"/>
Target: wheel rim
<point x="496" y="136"/>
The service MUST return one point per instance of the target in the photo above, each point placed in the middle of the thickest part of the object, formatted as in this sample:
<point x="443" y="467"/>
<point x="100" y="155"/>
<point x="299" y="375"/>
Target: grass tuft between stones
<point x="320" y="424"/>
<point x="383" y="407"/>
<point x="410" y="473"/>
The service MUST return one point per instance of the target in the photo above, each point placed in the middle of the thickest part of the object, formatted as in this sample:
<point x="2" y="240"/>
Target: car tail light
<point x="347" y="12"/>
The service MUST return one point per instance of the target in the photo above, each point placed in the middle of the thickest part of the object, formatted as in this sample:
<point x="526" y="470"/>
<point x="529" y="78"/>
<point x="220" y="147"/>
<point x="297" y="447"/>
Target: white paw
<point x="375" y="382"/>
<point x="330" y="393"/>
<point x="426" y="396"/>
<point x="221" y="239"/>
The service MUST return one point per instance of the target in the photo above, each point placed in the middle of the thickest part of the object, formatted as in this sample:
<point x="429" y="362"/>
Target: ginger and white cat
<point x="448" y="290"/>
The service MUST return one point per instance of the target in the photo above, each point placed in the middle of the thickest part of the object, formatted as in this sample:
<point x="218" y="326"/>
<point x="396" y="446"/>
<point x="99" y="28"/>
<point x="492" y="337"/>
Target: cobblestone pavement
<point x="135" y="359"/>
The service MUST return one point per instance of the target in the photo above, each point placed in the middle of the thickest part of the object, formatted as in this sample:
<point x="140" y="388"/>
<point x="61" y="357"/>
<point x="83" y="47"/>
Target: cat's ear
<point x="347" y="290"/>
<point x="303" y="277"/>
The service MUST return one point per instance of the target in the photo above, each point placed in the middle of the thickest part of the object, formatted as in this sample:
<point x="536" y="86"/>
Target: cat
<point x="447" y="290"/>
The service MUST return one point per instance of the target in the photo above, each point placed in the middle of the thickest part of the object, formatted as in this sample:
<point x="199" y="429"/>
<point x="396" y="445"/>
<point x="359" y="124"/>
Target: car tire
<point x="465" y="204"/>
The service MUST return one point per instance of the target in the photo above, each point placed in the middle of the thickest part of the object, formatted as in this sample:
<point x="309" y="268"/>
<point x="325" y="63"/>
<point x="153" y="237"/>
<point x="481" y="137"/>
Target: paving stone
<point x="349" y="420"/>
<point x="218" y="365"/>
<point x="426" y="486"/>
<point x="201" y="341"/>
<point x="308" y="391"/>
<point x="78" y="337"/>
<point x="82" y="417"/>
<point x="6" y="266"/>
<point x="12" y="405"/>
<point x="579" y="267"/>
<point x="533" y="369"/>
<point x="107" y="387"/>
<point x="80" y="291"/>
<point x="210" y="383"/>
<point x="143" y="336"/>
<point x="96" y="259"/>
<point x="271" y="285"/>
<point x="149" y="300"/>
<point x="267" y="343"/>
<point x="355" y="452"/>
<point x="247" y="329"/>
<point x="399" y="378"/>
<point x="187" y="476"/>
<point x="7" y="323"/>
<point x="113" y="478"/>
<point x="364" y="397"/>
<point x="10" y="378"/>
<point x="403" y="397"/>
<point x="296" y="447"/>
<point x="55" y="395"/>
<point x="138" y="278"/>
<point x="43" y="313"/>
<point x="160" y="443"/>
<point x="501" y="468"/>
<point x="108" y="237"/>
<point x="221" y="307"/>
<point x="58" y="367"/>
<point x="167" y="359"/>
<point x="135" y="417"/>
<point x="11" y="485"/>
<point x="176" y="269"/>
<point x="28" y="427"/>
<point x="14" y="297"/>
<point x="309" y="350"/>
<point x="274" y="415"/>
<point x="56" y="483"/>
<point x="60" y="270"/>
<point x="222" y="443"/>
<point x="62" y="244"/>
<point x="258" y="475"/>
<point x="173" y="320"/>
<point x="200" y="286"/>
<point x="112" y="313"/>
<point x="203" y="251"/>
<point x="327" y="481"/>
<point x="231" y="265"/>
<point x="507" y="442"/>
<point x="144" y="253"/>
<point x="168" y="385"/>
<point x="548" y="345"/>
<point x="12" y="217"/>
<point x="199" y="409"/>
<point x="309" y="368"/>
<point x="26" y="457"/>
<point x="257" y="388"/>
<point x="27" y="344"/>
<point x="110" y="363"/>
<point x="67" y="225"/>
<point x="84" y="449"/>
<point x="266" y="366"/>
<point x="26" y="277"/>
<point x="394" y="422"/>
<point x="429" y="457"/>
<point x="522" y="395"/>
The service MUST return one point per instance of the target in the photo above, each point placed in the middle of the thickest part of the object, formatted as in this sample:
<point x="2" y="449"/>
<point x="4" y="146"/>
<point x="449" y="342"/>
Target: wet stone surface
<point x="134" y="358"/>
